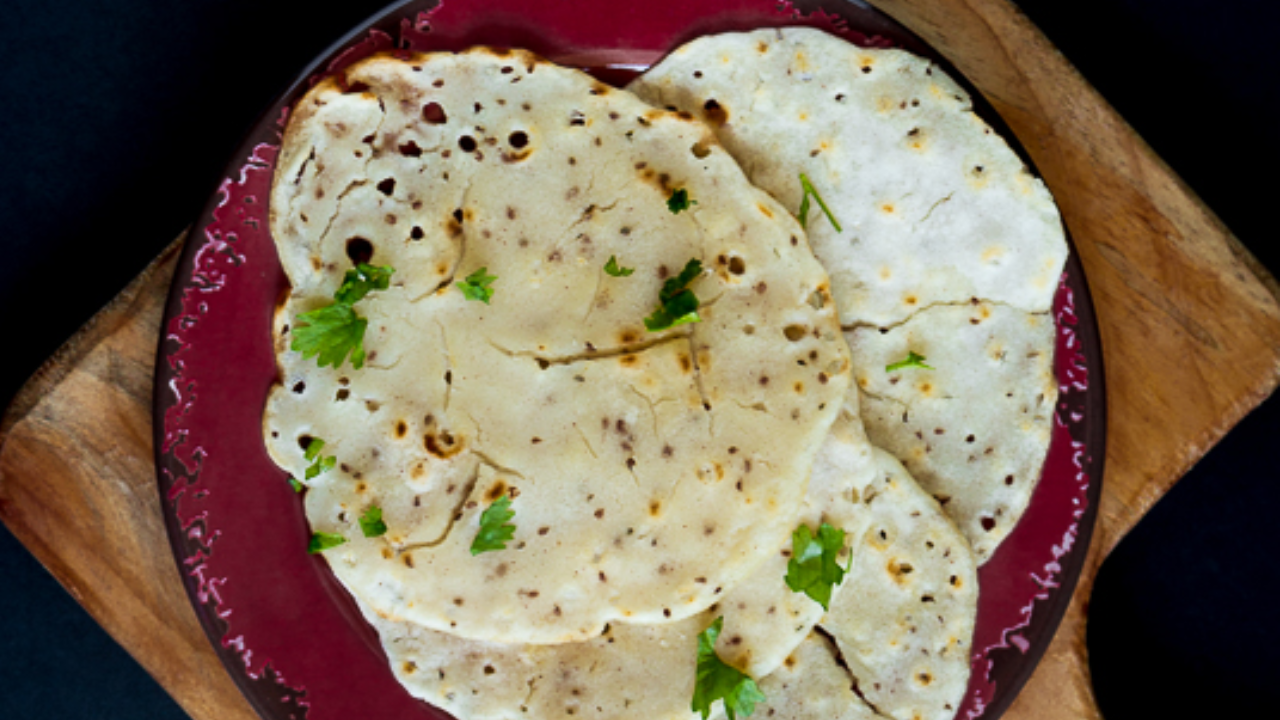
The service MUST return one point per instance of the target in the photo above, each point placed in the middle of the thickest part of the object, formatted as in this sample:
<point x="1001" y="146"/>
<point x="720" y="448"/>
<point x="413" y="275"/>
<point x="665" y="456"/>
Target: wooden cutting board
<point x="1190" y="327"/>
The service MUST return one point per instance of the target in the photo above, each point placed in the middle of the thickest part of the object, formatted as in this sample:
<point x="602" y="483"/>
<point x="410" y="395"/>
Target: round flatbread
<point x="896" y="641"/>
<point x="649" y="472"/>
<point x="905" y="617"/>
<point x="640" y="671"/>
<point x="934" y="206"/>
<point x="974" y="426"/>
<point x="936" y="212"/>
<point x="629" y="671"/>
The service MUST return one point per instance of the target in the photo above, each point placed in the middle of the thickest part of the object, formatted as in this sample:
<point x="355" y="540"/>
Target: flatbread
<point x="639" y="671"/>
<point x="936" y="211"/>
<point x="630" y="671"/>
<point x="934" y="206"/>
<point x="896" y="643"/>
<point x="765" y="620"/>
<point x="650" y="473"/>
<point x="974" y="429"/>
<point x="904" y="618"/>
<point x="813" y="685"/>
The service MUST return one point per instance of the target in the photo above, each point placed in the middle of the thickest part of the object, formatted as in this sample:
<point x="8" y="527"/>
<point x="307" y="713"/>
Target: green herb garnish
<point x="679" y="200"/>
<point x="677" y="304"/>
<point x="616" y="270"/>
<point x="361" y="281"/>
<point x="323" y="541"/>
<point x="334" y="331"/>
<point x="813" y="569"/>
<point x="804" y="205"/>
<point x="371" y="522"/>
<point x="716" y="680"/>
<point x="318" y="464"/>
<point x="495" y="527"/>
<point x="477" y="285"/>
<point x="913" y="360"/>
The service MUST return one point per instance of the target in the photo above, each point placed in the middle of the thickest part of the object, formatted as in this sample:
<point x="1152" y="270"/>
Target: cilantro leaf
<point x="314" y="446"/>
<point x="324" y="464"/>
<point x="813" y="569"/>
<point x="331" y="332"/>
<point x="359" y="282"/>
<point x="913" y="360"/>
<point x="717" y="680"/>
<point x="679" y="200"/>
<point x="318" y="464"/>
<point x="676" y="285"/>
<point x="616" y="270"/>
<point x="336" y="330"/>
<point x="371" y="522"/>
<point x="804" y="205"/>
<point x="677" y="305"/>
<point x="495" y="527"/>
<point x="323" y="541"/>
<point x="477" y="285"/>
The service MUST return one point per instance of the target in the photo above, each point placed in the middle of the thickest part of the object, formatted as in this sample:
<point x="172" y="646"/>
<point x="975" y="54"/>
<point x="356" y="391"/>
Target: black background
<point x="117" y="118"/>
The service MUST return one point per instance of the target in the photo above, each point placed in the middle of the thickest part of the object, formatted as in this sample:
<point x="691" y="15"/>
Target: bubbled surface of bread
<point x="650" y="472"/>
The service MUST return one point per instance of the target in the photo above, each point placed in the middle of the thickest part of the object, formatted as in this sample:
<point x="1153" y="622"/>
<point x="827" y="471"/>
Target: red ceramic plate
<point x="286" y="631"/>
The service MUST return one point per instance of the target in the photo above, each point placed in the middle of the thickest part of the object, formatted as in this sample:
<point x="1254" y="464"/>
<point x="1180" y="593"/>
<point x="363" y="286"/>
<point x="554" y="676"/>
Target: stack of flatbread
<point x="657" y="472"/>
<point x="948" y="248"/>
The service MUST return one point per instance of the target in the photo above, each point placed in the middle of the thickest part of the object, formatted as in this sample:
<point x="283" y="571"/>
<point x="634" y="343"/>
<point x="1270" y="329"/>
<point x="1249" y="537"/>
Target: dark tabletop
<point x="119" y="116"/>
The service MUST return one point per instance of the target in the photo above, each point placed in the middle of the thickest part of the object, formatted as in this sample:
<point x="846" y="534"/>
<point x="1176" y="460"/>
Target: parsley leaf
<point x="331" y="332"/>
<point x="677" y="304"/>
<point x="318" y="464"/>
<point x="371" y="522"/>
<point x="323" y="541"/>
<point x="813" y="569"/>
<point x="314" y="446"/>
<point x="335" y="330"/>
<point x="495" y="527"/>
<point x="359" y="282"/>
<point x="913" y="360"/>
<point x="717" y="680"/>
<point x="616" y="270"/>
<point x="477" y="287"/>
<point x="804" y="205"/>
<point x="679" y="200"/>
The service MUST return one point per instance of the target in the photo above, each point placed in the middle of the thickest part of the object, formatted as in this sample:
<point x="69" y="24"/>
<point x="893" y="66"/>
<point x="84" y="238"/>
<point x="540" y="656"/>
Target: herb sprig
<point x="371" y="523"/>
<point x="679" y="200"/>
<point x="322" y="541"/>
<point x="717" y="680"/>
<point x="336" y="330"/>
<point x="809" y="191"/>
<point x="495" y="527"/>
<point x="318" y="464"/>
<point x="813" y="569"/>
<point x="912" y="360"/>
<point x="614" y="269"/>
<point x="677" y="305"/>
<point x="476" y="286"/>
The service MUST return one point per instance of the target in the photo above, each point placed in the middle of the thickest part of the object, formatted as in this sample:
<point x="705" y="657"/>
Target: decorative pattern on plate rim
<point x="1056" y="526"/>
<point x="214" y="265"/>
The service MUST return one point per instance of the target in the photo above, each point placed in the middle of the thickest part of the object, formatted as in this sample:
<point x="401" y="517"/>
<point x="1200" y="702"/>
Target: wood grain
<point x="1190" y="328"/>
<point x="1190" y="322"/>
<point x="78" y="489"/>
